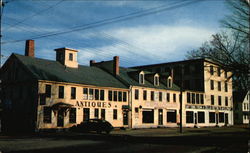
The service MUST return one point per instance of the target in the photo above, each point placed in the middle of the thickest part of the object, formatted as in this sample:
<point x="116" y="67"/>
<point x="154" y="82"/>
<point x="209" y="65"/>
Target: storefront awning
<point x="61" y="105"/>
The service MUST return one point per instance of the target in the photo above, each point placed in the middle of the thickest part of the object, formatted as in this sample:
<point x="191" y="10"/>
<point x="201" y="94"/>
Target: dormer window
<point x="156" y="81"/>
<point x="141" y="78"/>
<point x="71" y="56"/>
<point x="170" y="82"/>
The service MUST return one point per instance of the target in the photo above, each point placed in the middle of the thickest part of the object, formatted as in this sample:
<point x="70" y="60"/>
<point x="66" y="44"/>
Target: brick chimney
<point x="91" y="62"/>
<point x="30" y="48"/>
<point x="116" y="65"/>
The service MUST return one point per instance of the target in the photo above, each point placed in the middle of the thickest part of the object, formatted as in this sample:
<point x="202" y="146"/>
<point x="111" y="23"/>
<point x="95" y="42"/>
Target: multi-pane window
<point x="221" y="117"/>
<point x="136" y="94"/>
<point x="219" y="100"/>
<point x="197" y="98"/>
<point x="48" y="90"/>
<point x="160" y="96"/>
<point x="212" y="84"/>
<point x="61" y="92"/>
<point x="211" y="70"/>
<point x="152" y="95"/>
<point x="202" y="98"/>
<point x="188" y="97"/>
<point x="201" y="117"/>
<point x="119" y="96"/>
<point x="73" y="93"/>
<point x="226" y="87"/>
<point x="101" y="94"/>
<point x="168" y="97"/>
<point x="103" y="113"/>
<point x="124" y="97"/>
<point x="141" y="78"/>
<point x="96" y="94"/>
<point x="189" y="117"/>
<point x="110" y="95"/>
<point x="211" y="117"/>
<point x="72" y="115"/>
<point x="91" y="94"/>
<point x="193" y="98"/>
<point x="115" y="95"/>
<point x="85" y="93"/>
<point x="115" y="114"/>
<point x="219" y="86"/>
<point x="47" y="114"/>
<point x="144" y="94"/>
<point x="96" y="113"/>
<point x="174" y="97"/>
<point x="71" y="56"/>
<point x="218" y="71"/>
<point x="226" y="101"/>
<point x="212" y="99"/>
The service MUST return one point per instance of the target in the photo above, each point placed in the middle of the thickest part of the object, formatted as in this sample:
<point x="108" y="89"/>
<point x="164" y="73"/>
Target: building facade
<point x="241" y="107"/>
<point x="207" y="100"/>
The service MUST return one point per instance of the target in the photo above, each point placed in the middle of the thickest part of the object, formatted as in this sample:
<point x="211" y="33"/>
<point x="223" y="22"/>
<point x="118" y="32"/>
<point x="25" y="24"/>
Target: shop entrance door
<point x="160" y="117"/>
<point x="85" y="114"/>
<point x="125" y="117"/>
<point x="60" y="118"/>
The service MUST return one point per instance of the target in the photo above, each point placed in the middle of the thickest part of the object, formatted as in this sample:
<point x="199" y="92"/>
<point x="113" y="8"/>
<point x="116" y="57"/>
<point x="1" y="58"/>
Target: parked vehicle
<point x="98" y="125"/>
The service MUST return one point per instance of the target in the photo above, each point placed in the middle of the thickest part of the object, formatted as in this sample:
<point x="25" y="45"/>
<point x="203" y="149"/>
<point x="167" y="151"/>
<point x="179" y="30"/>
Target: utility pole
<point x="181" y="97"/>
<point x="1" y="14"/>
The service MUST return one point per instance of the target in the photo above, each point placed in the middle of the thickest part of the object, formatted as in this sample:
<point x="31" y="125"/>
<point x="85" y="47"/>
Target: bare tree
<point x="231" y="48"/>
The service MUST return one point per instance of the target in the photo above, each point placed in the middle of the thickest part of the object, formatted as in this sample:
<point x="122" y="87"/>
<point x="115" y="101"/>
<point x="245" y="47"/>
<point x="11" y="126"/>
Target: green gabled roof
<point x="43" y="69"/>
<point x="126" y="76"/>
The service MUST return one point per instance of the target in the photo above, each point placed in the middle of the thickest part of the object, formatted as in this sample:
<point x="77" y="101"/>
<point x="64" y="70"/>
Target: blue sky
<point x="159" y="37"/>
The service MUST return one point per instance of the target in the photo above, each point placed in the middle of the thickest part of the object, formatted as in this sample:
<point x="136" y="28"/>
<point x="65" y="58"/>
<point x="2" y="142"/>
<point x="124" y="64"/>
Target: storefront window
<point x="96" y="113"/>
<point x="171" y="116"/>
<point x="189" y="117"/>
<point x="148" y="116"/>
<point x="221" y="117"/>
<point x="211" y="117"/>
<point x="201" y="117"/>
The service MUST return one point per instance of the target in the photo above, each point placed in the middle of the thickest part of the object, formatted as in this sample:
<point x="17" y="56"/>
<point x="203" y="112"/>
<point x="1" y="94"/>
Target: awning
<point x="61" y="105"/>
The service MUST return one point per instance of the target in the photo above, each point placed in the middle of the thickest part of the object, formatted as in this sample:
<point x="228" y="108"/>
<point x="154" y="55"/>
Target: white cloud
<point x="154" y="44"/>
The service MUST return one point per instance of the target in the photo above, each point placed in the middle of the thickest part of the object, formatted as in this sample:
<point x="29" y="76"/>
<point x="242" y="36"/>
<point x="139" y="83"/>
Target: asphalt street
<point x="165" y="140"/>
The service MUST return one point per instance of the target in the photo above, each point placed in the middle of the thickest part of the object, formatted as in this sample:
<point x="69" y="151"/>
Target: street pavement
<point x="161" y="140"/>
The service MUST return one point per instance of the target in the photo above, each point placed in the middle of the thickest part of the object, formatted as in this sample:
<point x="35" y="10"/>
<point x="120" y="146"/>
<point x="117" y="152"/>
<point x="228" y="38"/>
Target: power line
<point x="111" y="20"/>
<point x="35" y="14"/>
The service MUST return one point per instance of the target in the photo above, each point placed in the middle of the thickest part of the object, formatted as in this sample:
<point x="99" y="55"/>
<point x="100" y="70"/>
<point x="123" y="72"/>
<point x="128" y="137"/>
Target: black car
<point x="98" y="125"/>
